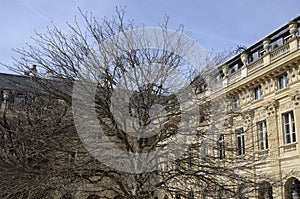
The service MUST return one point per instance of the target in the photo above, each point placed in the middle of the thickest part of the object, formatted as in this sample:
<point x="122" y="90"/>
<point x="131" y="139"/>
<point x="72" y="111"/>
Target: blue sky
<point x="215" y="24"/>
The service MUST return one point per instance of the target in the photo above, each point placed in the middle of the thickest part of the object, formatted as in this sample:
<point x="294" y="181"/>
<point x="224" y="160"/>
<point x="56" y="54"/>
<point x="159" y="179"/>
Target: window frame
<point x="262" y="135"/>
<point x="236" y="102"/>
<point x="204" y="149"/>
<point x="221" y="147"/>
<point x="288" y="125"/>
<point x="257" y="92"/>
<point x="282" y="81"/>
<point x="240" y="141"/>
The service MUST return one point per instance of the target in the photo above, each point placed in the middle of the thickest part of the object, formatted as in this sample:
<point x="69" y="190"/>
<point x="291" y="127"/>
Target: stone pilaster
<point x="295" y="99"/>
<point x="271" y="108"/>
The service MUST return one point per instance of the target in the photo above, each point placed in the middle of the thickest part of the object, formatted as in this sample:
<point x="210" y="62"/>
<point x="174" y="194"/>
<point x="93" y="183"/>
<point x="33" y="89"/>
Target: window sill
<point x="257" y="100"/>
<point x="263" y="153"/>
<point x="289" y="147"/>
<point x="281" y="90"/>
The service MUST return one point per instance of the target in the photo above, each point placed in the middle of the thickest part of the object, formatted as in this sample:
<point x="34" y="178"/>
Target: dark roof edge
<point x="296" y="19"/>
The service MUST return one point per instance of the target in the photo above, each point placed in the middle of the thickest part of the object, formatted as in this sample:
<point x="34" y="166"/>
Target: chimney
<point x="49" y="74"/>
<point x="34" y="70"/>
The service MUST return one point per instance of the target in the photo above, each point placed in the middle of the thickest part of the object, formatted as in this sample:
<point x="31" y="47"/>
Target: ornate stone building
<point x="264" y="80"/>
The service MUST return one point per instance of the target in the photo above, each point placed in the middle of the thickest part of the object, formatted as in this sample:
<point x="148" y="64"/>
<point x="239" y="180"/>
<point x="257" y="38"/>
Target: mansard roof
<point x="277" y="35"/>
<point x="25" y="83"/>
<point x="14" y="82"/>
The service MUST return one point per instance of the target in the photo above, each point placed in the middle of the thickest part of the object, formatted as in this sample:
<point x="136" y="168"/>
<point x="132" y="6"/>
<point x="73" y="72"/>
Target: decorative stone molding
<point x="208" y="79"/>
<point x="293" y="72"/>
<point x="248" y="117"/>
<point x="295" y="97"/>
<point x="271" y="107"/>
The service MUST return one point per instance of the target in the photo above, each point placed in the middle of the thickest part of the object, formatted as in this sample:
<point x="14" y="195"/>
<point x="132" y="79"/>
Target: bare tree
<point x="137" y="109"/>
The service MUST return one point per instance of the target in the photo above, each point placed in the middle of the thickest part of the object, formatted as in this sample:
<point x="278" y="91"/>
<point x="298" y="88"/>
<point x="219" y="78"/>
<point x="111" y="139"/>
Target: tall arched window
<point x="292" y="188"/>
<point x="177" y="196"/>
<point x="243" y="192"/>
<point x="191" y="195"/>
<point x="265" y="191"/>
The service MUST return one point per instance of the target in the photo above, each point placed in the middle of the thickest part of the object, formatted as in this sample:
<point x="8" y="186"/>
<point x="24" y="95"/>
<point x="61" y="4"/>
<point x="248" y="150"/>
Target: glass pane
<point x="293" y="137"/>
<point x="243" y="145"/>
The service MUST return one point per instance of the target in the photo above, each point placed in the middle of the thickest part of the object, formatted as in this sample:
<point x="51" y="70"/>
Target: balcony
<point x="265" y="60"/>
<point x="280" y="52"/>
<point x="235" y="76"/>
<point x="255" y="65"/>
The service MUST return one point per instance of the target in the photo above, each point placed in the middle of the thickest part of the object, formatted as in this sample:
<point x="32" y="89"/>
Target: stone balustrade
<point x="235" y="76"/>
<point x="267" y="59"/>
<point x="279" y="52"/>
<point x="255" y="65"/>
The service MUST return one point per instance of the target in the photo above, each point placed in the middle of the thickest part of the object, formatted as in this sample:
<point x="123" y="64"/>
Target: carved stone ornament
<point x="225" y="70"/>
<point x="244" y="58"/>
<point x="266" y="44"/>
<point x="271" y="107"/>
<point x="295" y="97"/>
<point x="293" y="28"/>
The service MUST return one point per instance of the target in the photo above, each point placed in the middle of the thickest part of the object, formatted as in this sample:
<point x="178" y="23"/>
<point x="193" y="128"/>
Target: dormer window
<point x="261" y="53"/>
<point x="20" y="99"/>
<point x="201" y="88"/>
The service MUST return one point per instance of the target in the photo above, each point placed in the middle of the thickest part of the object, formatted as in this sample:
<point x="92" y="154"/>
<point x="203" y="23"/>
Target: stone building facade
<point x="264" y="80"/>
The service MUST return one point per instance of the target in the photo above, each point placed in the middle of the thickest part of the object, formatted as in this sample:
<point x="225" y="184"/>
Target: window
<point x="120" y="138"/>
<point x="283" y="81"/>
<point x="240" y="141"/>
<point x="292" y="188"/>
<point x="261" y="53"/>
<point x="191" y="195"/>
<point x="287" y="38"/>
<point x="289" y="127"/>
<point x="177" y="196"/>
<point x="221" y="147"/>
<point x="250" y="59"/>
<point x="277" y="43"/>
<point x="190" y="157"/>
<point x="144" y="141"/>
<point x="201" y="88"/>
<point x="204" y="150"/>
<point x="222" y="194"/>
<point x="262" y="135"/>
<point x="265" y="190"/>
<point x="255" y="56"/>
<point x="20" y="99"/>
<point x="235" y="102"/>
<point x="257" y="92"/>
